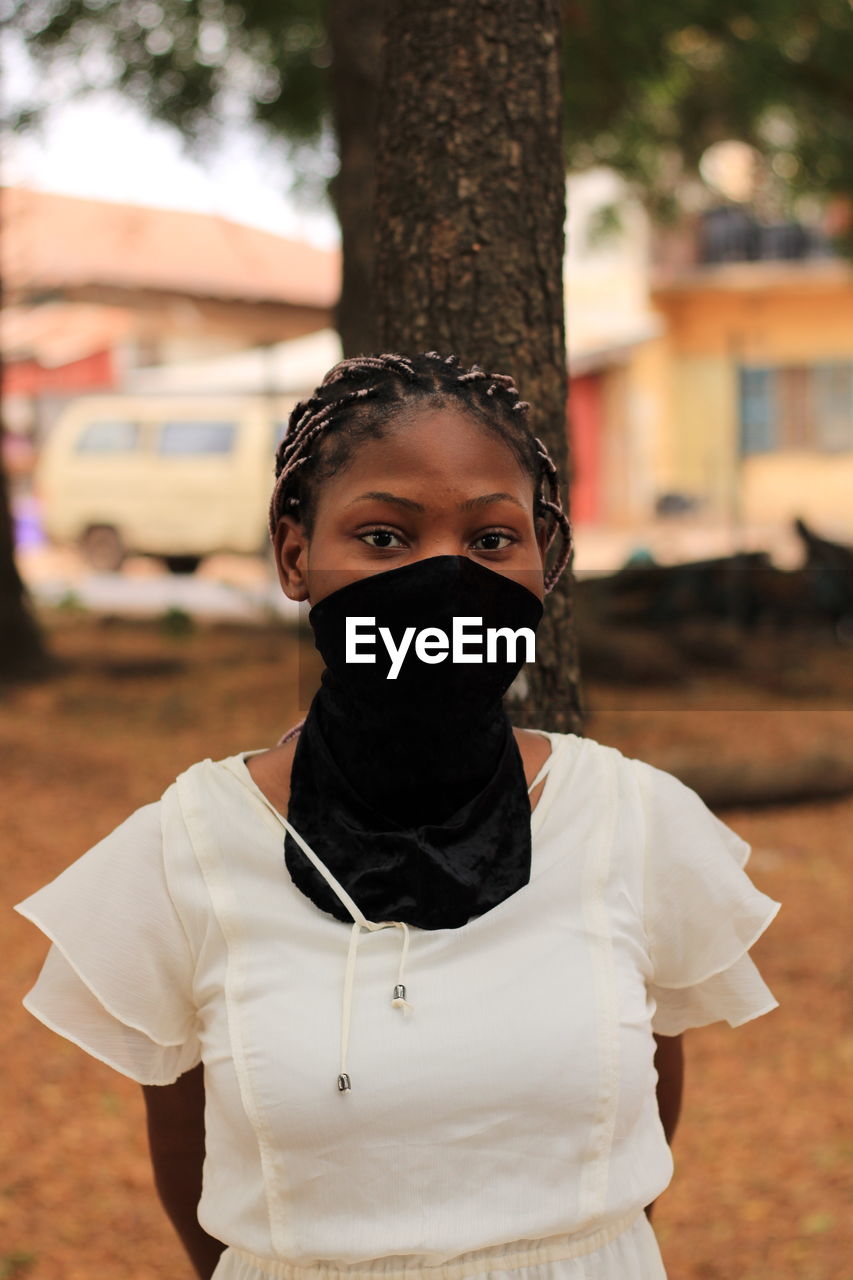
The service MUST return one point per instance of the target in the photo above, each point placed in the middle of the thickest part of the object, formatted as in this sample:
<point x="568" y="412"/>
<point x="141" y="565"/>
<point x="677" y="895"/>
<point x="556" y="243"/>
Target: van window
<point x="108" y="437"/>
<point x="195" y="438"/>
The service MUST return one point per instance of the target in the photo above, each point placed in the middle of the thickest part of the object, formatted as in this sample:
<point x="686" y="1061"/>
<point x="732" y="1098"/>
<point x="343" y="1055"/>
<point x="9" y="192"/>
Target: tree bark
<point x="470" y="211"/>
<point x="356" y="30"/>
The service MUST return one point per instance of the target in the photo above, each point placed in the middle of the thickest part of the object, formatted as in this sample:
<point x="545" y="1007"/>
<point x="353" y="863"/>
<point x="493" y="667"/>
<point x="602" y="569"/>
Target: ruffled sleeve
<point x="118" y="979"/>
<point x="702" y="912"/>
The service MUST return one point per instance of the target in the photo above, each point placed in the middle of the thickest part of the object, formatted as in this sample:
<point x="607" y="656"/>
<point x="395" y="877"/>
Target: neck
<point x="412" y="763"/>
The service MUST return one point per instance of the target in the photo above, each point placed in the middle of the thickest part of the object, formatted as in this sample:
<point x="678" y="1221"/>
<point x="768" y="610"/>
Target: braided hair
<point x="358" y="399"/>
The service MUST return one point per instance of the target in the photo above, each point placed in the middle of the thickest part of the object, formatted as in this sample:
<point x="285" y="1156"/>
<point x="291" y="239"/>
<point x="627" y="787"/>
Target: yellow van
<point x="172" y="476"/>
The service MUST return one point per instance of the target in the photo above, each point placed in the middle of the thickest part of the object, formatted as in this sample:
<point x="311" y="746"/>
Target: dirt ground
<point x="764" y="1175"/>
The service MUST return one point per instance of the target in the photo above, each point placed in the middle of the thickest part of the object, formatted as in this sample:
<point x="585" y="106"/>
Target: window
<point x="797" y="407"/>
<point x="794" y="408"/>
<point x="193" y="439"/>
<point x="756" y="425"/>
<point x="108" y="437"/>
<point x="834" y="395"/>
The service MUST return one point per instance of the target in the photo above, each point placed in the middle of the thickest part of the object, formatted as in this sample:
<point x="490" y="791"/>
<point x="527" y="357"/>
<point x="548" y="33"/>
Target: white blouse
<point x="502" y="1110"/>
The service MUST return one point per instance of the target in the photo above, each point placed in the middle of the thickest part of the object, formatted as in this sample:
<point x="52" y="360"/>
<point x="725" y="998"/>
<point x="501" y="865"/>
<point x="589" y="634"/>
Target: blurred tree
<point x="22" y="653"/>
<point x="470" y="212"/>
<point x="193" y="63"/>
<point x="356" y="31"/>
<point x="650" y="87"/>
<point x="647" y="87"/>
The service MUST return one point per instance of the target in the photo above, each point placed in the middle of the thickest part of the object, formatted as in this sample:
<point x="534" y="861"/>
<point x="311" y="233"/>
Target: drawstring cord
<point x="399" y="1000"/>
<point x="360" y="922"/>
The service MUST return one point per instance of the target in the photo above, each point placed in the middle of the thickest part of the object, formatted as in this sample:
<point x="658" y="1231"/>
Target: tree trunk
<point x="470" y="210"/>
<point x="356" y="35"/>
<point x="22" y="654"/>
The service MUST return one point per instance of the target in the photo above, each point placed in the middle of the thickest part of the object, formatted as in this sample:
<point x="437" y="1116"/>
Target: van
<point x="179" y="477"/>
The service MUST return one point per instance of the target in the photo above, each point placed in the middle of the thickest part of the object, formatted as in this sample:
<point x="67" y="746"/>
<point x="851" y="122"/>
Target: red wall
<point x="27" y="378"/>
<point x="585" y="426"/>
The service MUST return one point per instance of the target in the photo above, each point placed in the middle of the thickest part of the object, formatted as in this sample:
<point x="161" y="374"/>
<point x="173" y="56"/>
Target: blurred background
<point x="175" y="182"/>
<point x="169" y="230"/>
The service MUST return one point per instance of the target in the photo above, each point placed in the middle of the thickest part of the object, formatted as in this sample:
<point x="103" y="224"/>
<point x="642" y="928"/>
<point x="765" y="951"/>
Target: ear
<point x="291" y="554"/>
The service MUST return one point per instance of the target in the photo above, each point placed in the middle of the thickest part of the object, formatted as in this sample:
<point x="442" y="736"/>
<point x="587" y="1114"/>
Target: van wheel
<point x="182" y="564"/>
<point x="102" y="548"/>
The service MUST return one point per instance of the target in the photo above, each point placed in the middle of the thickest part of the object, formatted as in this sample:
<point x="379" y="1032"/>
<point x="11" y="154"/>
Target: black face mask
<point x="411" y="789"/>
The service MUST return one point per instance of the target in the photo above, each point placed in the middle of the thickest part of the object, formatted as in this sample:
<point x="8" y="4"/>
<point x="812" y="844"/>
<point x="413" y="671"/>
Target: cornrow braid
<point x="554" y="506"/>
<point x="293" y="452"/>
<point x="359" y="364"/>
<point x="359" y="397"/>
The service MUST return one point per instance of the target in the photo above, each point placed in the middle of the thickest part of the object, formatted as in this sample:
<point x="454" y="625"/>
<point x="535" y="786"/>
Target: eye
<point x="494" y="540"/>
<point x="381" y="538"/>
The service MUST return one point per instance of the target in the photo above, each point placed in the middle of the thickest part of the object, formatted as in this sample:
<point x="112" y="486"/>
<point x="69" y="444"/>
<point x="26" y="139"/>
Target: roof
<point x="56" y="242"/>
<point x="293" y="367"/>
<point x="60" y="332"/>
<point x="594" y="359"/>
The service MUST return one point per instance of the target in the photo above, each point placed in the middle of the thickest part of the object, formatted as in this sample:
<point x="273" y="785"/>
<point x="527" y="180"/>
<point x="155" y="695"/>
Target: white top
<point x="509" y="1117"/>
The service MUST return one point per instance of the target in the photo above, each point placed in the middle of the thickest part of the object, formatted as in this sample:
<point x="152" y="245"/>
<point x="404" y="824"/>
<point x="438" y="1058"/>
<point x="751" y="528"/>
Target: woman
<point x="403" y="982"/>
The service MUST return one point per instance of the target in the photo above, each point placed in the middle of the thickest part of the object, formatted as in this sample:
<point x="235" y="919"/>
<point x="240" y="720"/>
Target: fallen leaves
<point x="763" y="1167"/>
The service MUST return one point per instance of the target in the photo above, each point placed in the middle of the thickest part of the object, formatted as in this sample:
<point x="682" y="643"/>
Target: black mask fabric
<point x="411" y="790"/>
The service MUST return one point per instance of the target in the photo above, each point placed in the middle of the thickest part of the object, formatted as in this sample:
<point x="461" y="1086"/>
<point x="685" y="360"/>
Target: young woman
<point x="410" y="986"/>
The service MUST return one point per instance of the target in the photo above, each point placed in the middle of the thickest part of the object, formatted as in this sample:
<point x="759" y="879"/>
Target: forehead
<point x="437" y="446"/>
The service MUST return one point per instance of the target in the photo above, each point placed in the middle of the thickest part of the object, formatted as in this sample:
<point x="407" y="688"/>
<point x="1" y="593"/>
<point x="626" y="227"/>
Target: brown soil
<point x="763" y="1183"/>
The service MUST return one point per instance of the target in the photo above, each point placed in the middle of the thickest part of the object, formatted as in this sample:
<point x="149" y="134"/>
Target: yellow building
<point x="712" y="374"/>
<point x="753" y="378"/>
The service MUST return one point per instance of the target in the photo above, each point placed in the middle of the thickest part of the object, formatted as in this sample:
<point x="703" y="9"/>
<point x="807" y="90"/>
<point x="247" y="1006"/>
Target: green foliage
<point x="648" y="87"/>
<point x="605" y="223"/>
<point x="177" y="623"/>
<point x="184" y="61"/>
<point x="70" y="603"/>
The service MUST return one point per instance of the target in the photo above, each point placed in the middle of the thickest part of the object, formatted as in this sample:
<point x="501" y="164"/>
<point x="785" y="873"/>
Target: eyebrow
<point x="488" y="498"/>
<point x="379" y="496"/>
<point x="485" y="500"/>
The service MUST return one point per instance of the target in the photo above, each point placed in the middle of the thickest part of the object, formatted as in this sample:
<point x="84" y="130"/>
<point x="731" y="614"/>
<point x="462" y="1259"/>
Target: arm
<point x="176" y="1141"/>
<point x="669" y="1064"/>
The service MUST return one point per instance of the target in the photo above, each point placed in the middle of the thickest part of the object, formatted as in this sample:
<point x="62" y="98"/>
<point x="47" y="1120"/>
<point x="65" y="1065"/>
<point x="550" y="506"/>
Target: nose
<point x="440" y="545"/>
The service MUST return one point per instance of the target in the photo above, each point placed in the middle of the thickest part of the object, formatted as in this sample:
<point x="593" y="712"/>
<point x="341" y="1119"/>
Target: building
<point x="756" y="394"/>
<point x="711" y="367"/>
<point x="725" y="386"/>
<point x="94" y="290"/>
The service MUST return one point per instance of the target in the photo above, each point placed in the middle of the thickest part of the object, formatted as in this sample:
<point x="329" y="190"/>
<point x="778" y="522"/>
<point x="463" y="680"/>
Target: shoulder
<point x="122" y="874"/>
<point x="588" y="756"/>
<point x="597" y="786"/>
<point x="135" y="844"/>
<point x="270" y="771"/>
<point x="534" y="748"/>
<point x="571" y="750"/>
<point x="238" y="782"/>
<point x="645" y="797"/>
